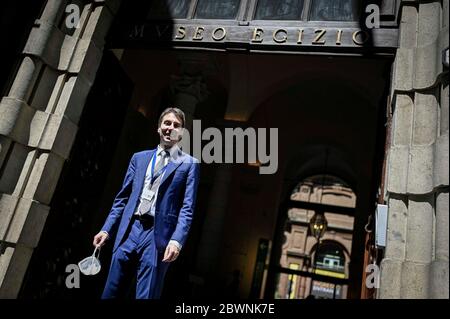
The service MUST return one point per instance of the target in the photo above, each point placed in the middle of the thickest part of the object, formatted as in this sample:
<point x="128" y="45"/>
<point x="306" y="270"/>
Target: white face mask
<point x="90" y="266"/>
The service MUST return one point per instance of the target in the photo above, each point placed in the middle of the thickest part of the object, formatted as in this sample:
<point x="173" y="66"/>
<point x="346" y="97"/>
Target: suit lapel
<point x="173" y="165"/>
<point x="142" y="168"/>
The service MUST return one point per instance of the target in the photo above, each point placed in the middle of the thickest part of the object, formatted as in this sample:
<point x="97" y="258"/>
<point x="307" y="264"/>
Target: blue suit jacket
<point x="175" y="203"/>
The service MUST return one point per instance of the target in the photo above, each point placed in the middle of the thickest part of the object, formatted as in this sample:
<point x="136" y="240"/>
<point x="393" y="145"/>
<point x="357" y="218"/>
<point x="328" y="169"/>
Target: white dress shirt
<point x="173" y="151"/>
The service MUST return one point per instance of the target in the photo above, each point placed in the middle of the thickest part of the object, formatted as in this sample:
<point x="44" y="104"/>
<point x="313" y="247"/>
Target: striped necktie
<point x="159" y="165"/>
<point x="146" y="203"/>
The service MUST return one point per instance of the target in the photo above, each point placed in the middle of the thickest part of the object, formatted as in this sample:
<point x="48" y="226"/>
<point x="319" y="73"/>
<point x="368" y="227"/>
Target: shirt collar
<point x="173" y="151"/>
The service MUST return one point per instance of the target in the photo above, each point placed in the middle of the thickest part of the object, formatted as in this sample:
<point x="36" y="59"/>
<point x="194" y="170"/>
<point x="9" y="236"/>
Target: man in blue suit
<point x="152" y="213"/>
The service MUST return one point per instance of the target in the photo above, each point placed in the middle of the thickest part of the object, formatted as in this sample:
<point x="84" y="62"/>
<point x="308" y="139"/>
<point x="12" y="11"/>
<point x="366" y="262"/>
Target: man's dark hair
<point x="174" y="110"/>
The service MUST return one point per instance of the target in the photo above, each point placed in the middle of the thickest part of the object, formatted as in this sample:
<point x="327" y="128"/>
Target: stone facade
<point x="39" y="124"/>
<point x="415" y="264"/>
<point x="40" y="113"/>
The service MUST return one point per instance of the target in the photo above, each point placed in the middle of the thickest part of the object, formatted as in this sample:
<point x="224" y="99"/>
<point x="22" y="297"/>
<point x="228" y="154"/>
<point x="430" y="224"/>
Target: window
<point x="334" y="10"/>
<point x="279" y="10"/>
<point x="169" y="9"/>
<point x="291" y="291"/>
<point x="217" y="9"/>
<point x="330" y="256"/>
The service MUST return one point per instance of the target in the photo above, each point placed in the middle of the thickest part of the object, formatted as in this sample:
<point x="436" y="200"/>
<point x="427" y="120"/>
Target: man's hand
<point x="171" y="253"/>
<point x="100" y="239"/>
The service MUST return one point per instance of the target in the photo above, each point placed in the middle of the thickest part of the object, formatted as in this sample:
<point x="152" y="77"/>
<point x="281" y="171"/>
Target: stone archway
<point x="39" y="124"/>
<point x="298" y="264"/>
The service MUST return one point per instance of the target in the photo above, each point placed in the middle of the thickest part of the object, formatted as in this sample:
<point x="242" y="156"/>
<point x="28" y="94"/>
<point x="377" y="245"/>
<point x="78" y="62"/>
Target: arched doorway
<point x="330" y="259"/>
<point x="311" y="267"/>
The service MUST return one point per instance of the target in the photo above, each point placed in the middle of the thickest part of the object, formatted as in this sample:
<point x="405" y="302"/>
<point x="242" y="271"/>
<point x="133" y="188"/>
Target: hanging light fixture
<point x="318" y="225"/>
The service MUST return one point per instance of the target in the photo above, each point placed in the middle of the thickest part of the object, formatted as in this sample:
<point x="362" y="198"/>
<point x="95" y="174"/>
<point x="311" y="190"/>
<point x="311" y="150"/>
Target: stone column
<point x="188" y="88"/>
<point x="187" y="91"/>
<point x="212" y="230"/>
<point x="213" y="226"/>
<point x="415" y="264"/>
<point x="39" y="124"/>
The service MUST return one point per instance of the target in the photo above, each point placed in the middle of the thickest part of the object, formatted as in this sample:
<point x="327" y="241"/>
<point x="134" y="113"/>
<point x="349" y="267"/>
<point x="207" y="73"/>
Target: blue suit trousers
<point x="136" y="256"/>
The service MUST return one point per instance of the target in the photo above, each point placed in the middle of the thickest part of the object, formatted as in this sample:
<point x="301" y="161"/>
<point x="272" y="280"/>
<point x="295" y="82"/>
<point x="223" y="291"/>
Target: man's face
<point x="170" y="130"/>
